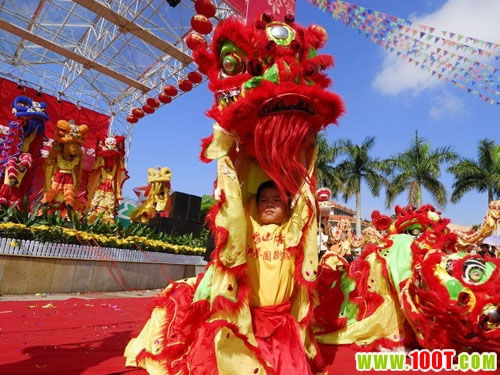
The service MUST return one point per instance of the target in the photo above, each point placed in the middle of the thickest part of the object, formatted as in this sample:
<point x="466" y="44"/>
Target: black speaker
<point x="177" y="226"/>
<point x="185" y="206"/>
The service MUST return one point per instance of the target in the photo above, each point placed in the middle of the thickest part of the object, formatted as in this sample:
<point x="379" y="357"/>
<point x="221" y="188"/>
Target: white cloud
<point x="473" y="18"/>
<point x="398" y="75"/>
<point x="445" y="106"/>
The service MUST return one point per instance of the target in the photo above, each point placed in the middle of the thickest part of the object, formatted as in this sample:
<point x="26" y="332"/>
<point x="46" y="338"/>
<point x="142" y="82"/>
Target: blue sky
<point x="385" y="97"/>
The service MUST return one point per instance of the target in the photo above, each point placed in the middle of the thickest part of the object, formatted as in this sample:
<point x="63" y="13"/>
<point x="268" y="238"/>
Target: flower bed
<point x="72" y="236"/>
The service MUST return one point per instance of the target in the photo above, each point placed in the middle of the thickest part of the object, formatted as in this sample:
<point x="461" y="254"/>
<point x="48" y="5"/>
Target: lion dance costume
<point x="20" y="151"/>
<point x="414" y="288"/>
<point x="106" y="179"/>
<point x="271" y="101"/>
<point x="157" y="202"/>
<point x="63" y="167"/>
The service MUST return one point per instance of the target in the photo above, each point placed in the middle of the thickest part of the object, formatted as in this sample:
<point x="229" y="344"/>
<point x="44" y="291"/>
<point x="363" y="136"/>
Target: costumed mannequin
<point x="106" y="179"/>
<point x="225" y="321"/>
<point x="63" y="168"/>
<point x="157" y="196"/>
<point x="20" y="151"/>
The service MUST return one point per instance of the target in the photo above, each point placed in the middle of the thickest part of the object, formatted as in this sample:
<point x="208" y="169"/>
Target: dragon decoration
<point x="413" y="286"/>
<point x="63" y="168"/>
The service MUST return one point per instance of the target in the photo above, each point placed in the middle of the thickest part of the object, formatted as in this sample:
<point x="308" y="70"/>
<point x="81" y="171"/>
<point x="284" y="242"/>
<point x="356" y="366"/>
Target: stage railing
<point x="9" y="246"/>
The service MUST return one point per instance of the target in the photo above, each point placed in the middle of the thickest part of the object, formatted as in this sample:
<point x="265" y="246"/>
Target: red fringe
<point x="280" y="139"/>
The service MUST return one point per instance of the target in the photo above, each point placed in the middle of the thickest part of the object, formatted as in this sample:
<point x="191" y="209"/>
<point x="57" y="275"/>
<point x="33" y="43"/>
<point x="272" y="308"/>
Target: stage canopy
<point x="111" y="56"/>
<point x="105" y="56"/>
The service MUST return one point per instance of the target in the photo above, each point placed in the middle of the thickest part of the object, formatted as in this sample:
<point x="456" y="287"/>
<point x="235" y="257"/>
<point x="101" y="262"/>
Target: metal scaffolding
<point x="108" y="56"/>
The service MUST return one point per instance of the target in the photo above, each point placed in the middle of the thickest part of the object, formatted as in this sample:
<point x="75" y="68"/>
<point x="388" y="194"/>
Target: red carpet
<point x="73" y="336"/>
<point x="87" y="336"/>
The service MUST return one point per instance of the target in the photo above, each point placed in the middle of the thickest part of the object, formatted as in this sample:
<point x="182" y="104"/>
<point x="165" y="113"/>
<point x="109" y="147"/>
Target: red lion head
<point x="270" y="93"/>
<point x="453" y="301"/>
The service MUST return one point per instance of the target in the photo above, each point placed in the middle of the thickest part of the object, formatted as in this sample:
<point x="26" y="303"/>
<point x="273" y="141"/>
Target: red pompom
<point x="164" y="98"/>
<point x="195" y="77"/>
<point x="205" y="8"/>
<point x="201" y="24"/>
<point x="170" y="90"/>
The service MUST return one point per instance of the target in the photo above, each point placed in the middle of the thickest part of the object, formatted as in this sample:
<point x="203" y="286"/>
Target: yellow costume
<point x="270" y="266"/>
<point x="158" y="196"/>
<point x="63" y="166"/>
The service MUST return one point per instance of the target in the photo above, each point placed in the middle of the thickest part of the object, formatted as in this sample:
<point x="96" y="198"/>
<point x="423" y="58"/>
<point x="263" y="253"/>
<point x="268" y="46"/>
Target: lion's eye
<point x="474" y="270"/>
<point x="232" y="64"/>
<point x="280" y="33"/>
<point x="414" y="231"/>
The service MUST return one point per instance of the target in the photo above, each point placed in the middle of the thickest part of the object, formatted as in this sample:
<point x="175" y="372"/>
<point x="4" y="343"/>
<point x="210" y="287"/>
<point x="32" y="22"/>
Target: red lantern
<point x="132" y="119"/>
<point x="164" y="98"/>
<point x="185" y="85"/>
<point x="205" y="8"/>
<point x="153" y="102"/>
<point x="148" y="109"/>
<point x="201" y="24"/>
<point x="170" y="90"/>
<point x="137" y="112"/>
<point x="195" y="41"/>
<point x="195" y="77"/>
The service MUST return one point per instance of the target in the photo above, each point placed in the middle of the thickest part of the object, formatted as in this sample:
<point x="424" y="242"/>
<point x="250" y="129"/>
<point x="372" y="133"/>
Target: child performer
<point x="271" y="270"/>
<point x="251" y="310"/>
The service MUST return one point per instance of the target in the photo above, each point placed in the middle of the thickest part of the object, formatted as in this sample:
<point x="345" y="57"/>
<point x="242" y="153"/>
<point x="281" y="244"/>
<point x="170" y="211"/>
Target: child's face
<point x="270" y="207"/>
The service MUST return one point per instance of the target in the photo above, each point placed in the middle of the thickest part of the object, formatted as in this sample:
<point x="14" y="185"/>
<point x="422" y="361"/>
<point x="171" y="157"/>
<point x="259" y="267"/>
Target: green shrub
<point x="37" y="225"/>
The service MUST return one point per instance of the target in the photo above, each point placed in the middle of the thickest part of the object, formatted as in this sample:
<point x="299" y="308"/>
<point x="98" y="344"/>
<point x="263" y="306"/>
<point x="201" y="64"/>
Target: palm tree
<point x="357" y="167"/>
<point x="418" y="167"/>
<point x="326" y="173"/>
<point x="481" y="175"/>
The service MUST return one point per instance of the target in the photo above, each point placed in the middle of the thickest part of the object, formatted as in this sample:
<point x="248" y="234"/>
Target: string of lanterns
<point x="201" y="25"/>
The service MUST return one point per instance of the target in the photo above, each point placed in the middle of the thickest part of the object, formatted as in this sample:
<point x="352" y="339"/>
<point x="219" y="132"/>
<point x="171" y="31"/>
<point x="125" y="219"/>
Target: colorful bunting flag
<point x="462" y="60"/>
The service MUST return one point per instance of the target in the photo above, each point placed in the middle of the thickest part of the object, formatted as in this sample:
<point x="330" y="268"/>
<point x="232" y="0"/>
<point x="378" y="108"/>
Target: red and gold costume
<point x="20" y="150"/>
<point x="157" y="200"/>
<point x="106" y="179"/>
<point x="271" y="101"/>
<point x="262" y="305"/>
<point x="415" y="288"/>
<point x="63" y="167"/>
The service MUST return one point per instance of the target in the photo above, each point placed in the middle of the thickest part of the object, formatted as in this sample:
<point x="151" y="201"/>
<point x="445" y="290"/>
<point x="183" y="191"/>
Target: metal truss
<point x="108" y="56"/>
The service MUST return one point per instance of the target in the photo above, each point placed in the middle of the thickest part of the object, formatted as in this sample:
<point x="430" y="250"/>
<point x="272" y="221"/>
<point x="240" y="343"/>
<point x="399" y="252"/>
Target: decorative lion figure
<point x="20" y="150"/>
<point x="106" y="179"/>
<point x="63" y="167"/>
<point x="157" y="196"/>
